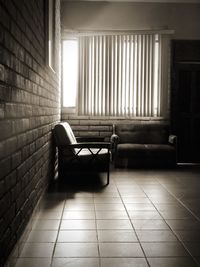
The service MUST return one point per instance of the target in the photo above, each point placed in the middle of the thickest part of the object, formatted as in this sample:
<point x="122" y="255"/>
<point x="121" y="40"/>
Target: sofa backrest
<point x="142" y="133"/>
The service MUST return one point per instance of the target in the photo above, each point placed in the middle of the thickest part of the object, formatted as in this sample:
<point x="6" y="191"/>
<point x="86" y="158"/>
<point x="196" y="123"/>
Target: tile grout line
<point x="98" y="247"/>
<point x="179" y="239"/>
<point x="192" y="213"/>
<point x="133" y="226"/>
<point x="55" y="243"/>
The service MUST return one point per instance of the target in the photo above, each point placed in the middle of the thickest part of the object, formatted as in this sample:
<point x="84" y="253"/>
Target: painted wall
<point x="183" y="18"/>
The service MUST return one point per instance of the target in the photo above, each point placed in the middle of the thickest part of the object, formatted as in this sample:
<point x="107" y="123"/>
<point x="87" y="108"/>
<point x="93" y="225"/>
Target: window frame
<point x="50" y="6"/>
<point x="74" y="110"/>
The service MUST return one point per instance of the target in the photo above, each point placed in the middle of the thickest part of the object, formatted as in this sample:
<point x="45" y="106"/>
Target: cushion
<point x="146" y="133"/>
<point x="64" y="134"/>
<point x="161" y="151"/>
<point x="131" y="150"/>
<point x="154" y="151"/>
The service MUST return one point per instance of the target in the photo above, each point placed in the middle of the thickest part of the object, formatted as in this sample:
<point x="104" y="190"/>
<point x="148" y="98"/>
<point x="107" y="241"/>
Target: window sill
<point x="72" y="115"/>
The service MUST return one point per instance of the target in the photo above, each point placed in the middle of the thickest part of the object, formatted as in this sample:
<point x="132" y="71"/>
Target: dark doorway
<point x="185" y="99"/>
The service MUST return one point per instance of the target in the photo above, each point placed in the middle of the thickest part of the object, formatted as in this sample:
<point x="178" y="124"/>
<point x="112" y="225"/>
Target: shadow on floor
<point x="79" y="182"/>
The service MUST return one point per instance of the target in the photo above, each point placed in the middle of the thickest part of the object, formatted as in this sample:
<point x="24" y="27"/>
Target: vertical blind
<point x="122" y="75"/>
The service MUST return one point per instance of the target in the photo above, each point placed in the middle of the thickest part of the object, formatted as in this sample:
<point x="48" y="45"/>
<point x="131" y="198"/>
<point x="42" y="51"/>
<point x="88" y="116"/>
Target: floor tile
<point x="184" y="224"/>
<point x="37" y="250"/>
<point x="78" y="215"/>
<point x="114" y="224"/>
<point x="193" y="248"/>
<point x="155" y="236"/>
<point x="114" y="220"/>
<point x="108" y="189"/>
<point x="197" y="259"/>
<point x="166" y="249"/>
<point x="55" y="196"/>
<point x="145" y="215"/>
<point x="158" y="193"/>
<point x="80" y="195"/>
<point x="112" y="207"/>
<point x="188" y="235"/>
<point x="33" y="262"/>
<point x="180" y="214"/>
<point x="42" y="236"/>
<point x="77" y="236"/>
<point x="169" y="207"/>
<point x="79" y="207"/>
<point x="49" y="215"/>
<point x="117" y="236"/>
<point x="108" y="200"/>
<point x="80" y="200"/>
<point x="54" y="206"/>
<point x="123" y="262"/>
<point x="106" y="194"/>
<point x="76" y="250"/>
<point x="129" y="189"/>
<point x="45" y="224"/>
<point x="129" y="200"/>
<point x="132" y="194"/>
<point x="120" y="250"/>
<point x="159" y="199"/>
<point x="150" y="224"/>
<point x="75" y="262"/>
<point x="139" y="206"/>
<point x="115" y="215"/>
<point x="78" y="225"/>
<point x="171" y="262"/>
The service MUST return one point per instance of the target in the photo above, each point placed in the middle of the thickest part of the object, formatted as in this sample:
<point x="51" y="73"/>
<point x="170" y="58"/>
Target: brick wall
<point x="100" y="126"/>
<point x="29" y="108"/>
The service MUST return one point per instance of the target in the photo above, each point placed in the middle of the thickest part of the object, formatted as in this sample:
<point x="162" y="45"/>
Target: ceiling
<point x="140" y="1"/>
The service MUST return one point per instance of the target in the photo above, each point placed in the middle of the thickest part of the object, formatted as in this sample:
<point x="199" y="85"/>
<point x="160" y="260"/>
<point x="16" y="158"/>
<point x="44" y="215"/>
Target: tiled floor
<point x="143" y="218"/>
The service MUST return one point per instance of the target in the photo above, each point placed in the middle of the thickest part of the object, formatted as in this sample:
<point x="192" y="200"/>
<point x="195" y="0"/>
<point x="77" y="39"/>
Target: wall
<point x="29" y="107"/>
<point x="184" y="19"/>
<point x="101" y="126"/>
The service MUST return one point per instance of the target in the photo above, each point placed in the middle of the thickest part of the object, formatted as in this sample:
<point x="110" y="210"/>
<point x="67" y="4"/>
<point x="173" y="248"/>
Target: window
<point x="51" y="33"/>
<point x="117" y="75"/>
<point x="70" y="72"/>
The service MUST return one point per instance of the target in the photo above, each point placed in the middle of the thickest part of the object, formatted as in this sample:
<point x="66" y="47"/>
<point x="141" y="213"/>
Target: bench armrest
<point x="114" y="140"/>
<point x="88" y="139"/>
<point x="172" y="139"/>
<point x="88" y="145"/>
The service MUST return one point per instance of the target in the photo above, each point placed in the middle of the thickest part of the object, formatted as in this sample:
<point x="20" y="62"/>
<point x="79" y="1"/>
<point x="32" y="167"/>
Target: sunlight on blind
<point x="117" y="75"/>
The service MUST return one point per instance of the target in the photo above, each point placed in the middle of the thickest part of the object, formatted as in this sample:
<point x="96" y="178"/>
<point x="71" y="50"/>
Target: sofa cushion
<point x="131" y="150"/>
<point x="161" y="151"/>
<point x="155" y="151"/>
<point x="147" y="133"/>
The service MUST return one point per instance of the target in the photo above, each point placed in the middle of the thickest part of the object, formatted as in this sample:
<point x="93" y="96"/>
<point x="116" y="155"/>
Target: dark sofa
<point x="146" y="144"/>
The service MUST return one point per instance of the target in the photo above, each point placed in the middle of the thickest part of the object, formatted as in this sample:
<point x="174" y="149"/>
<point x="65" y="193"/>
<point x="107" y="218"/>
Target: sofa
<point x="146" y="144"/>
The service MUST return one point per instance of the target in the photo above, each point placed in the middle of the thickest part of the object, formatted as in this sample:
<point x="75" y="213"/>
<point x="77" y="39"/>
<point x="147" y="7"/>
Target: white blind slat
<point x="121" y="75"/>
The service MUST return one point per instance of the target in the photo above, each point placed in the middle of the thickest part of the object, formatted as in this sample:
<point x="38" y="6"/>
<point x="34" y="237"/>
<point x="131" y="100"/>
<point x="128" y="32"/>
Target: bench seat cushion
<point x="142" y="151"/>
